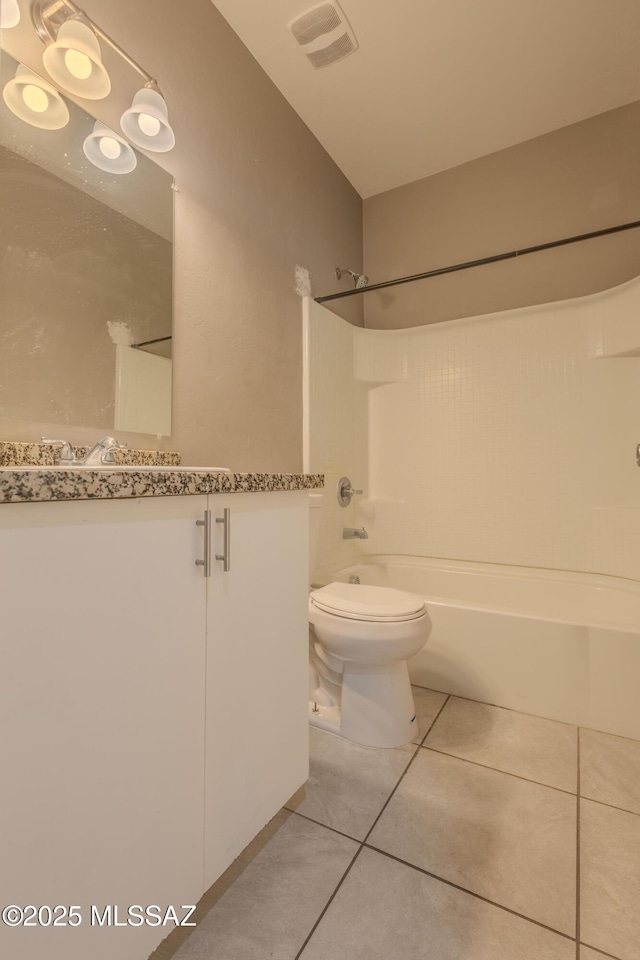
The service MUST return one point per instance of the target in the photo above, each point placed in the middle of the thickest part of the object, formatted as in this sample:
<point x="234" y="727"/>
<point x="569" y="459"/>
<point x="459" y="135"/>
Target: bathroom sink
<point x="116" y="468"/>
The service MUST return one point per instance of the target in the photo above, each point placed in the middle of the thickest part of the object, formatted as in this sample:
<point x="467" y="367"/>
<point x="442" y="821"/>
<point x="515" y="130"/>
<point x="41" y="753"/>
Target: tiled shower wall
<point x="508" y="438"/>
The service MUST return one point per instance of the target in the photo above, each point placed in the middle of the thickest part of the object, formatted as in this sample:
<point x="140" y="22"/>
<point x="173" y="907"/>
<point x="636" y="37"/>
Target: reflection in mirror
<point x="86" y="279"/>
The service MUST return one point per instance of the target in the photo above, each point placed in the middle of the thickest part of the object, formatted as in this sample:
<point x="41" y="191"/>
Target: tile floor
<point x="494" y="836"/>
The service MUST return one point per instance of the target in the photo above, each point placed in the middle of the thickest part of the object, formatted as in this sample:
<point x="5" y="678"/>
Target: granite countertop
<point x="20" y="485"/>
<point x="16" y="453"/>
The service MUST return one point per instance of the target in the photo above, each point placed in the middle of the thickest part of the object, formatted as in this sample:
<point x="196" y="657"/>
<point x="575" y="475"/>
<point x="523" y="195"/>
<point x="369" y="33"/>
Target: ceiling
<point x="436" y="83"/>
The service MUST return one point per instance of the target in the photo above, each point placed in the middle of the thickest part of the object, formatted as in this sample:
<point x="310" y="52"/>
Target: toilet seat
<point x="368" y="604"/>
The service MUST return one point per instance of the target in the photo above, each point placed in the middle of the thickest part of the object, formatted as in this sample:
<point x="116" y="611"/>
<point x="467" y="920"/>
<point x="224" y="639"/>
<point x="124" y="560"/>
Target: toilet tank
<point x="315" y="513"/>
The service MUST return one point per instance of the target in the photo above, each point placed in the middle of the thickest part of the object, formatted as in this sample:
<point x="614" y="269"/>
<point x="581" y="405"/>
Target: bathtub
<point x="560" y="645"/>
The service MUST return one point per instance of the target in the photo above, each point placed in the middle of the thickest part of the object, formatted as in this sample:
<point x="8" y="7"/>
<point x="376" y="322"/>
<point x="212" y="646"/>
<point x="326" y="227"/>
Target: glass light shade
<point x="75" y="61"/>
<point x="78" y="64"/>
<point x="150" y="126"/>
<point x="35" y="98"/>
<point x="146" y="122"/>
<point x="110" y="147"/>
<point x="35" y="101"/>
<point x="9" y="14"/>
<point x="109" y="151"/>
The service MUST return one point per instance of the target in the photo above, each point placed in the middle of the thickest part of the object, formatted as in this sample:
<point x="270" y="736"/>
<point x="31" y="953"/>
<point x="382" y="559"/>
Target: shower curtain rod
<point x="146" y="343"/>
<point x="478" y="263"/>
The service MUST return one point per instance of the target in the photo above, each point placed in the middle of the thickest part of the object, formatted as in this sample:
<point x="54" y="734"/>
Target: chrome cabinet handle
<point x="225" y="556"/>
<point x="206" y="563"/>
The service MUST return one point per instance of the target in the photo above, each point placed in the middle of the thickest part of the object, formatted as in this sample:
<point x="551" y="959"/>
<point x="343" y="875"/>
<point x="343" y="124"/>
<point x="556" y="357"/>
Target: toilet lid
<point x="359" y="602"/>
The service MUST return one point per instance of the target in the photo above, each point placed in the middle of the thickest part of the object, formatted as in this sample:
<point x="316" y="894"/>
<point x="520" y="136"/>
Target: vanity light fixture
<point x="73" y="58"/>
<point x="74" y="61"/>
<point x="146" y="122"/>
<point x="109" y="151"/>
<point x="35" y="101"/>
<point x="9" y="14"/>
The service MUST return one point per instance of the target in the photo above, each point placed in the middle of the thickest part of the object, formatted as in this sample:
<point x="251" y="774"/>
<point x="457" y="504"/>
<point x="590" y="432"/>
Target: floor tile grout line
<point x="507" y="773"/>
<point x="578" y="847"/>
<point x="321" y="824"/>
<point x="471" y="893"/>
<point x="608" y="956"/>
<point x="486" y="766"/>
<point x="431" y="725"/>
<point x="611" y="806"/>
<point x="603" y="803"/>
<point x="618" y="736"/>
<point x="404" y="773"/>
<point x="328" y="903"/>
<point x="362" y="842"/>
<point x="523" y="713"/>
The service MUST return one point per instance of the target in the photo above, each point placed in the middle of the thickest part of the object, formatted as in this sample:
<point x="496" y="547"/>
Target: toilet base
<point x="377" y="708"/>
<point x="325" y="718"/>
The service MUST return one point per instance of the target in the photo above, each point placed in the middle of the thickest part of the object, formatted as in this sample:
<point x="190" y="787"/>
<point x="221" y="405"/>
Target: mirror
<point x="86" y="280"/>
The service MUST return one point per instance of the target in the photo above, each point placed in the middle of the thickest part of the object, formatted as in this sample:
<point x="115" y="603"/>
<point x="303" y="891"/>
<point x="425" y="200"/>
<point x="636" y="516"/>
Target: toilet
<point x="360" y="639"/>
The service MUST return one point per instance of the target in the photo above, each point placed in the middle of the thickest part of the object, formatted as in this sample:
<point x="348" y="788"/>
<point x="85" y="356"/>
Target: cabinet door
<point x="257" y="649"/>
<point x="102" y="658"/>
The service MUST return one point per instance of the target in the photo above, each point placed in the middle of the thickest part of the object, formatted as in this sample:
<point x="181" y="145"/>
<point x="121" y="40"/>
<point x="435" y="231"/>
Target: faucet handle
<point x="345" y="491"/>
<point x="66" y="454"/>
<point x="102" y="452"/>
<point x="107" y="456"/>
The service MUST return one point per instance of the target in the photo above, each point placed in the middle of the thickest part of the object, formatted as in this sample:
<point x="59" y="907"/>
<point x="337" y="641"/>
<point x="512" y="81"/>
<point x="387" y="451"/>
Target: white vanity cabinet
<point x="102" y="717"/>
<point x="151" y="719"/>
<point x="257" y="740"/>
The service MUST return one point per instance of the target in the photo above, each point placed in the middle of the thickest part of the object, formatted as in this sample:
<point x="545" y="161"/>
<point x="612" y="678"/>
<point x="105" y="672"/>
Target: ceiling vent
<point x="324" y="33"/>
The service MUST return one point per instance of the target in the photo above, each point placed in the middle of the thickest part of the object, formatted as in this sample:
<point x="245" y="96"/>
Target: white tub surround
<point x="508" y="438"/>
<point x="335" y="425"/>
<point x="560" y="645"/>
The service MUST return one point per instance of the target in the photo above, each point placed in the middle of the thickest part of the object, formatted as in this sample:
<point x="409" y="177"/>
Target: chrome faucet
<point x="102" y="453"/>
<point x="355" y="533"/>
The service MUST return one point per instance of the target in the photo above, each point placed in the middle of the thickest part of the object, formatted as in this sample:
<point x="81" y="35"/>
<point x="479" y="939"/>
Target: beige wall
<point x="574" y="180"/>
<point x="257" y="195"/>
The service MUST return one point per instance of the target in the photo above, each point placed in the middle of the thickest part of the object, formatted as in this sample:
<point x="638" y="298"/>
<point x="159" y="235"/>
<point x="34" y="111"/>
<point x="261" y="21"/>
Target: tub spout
<point x="355" y="533"/>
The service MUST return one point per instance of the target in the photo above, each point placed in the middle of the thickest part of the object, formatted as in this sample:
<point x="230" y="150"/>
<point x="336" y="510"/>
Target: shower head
<point x="359" y="279"/>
